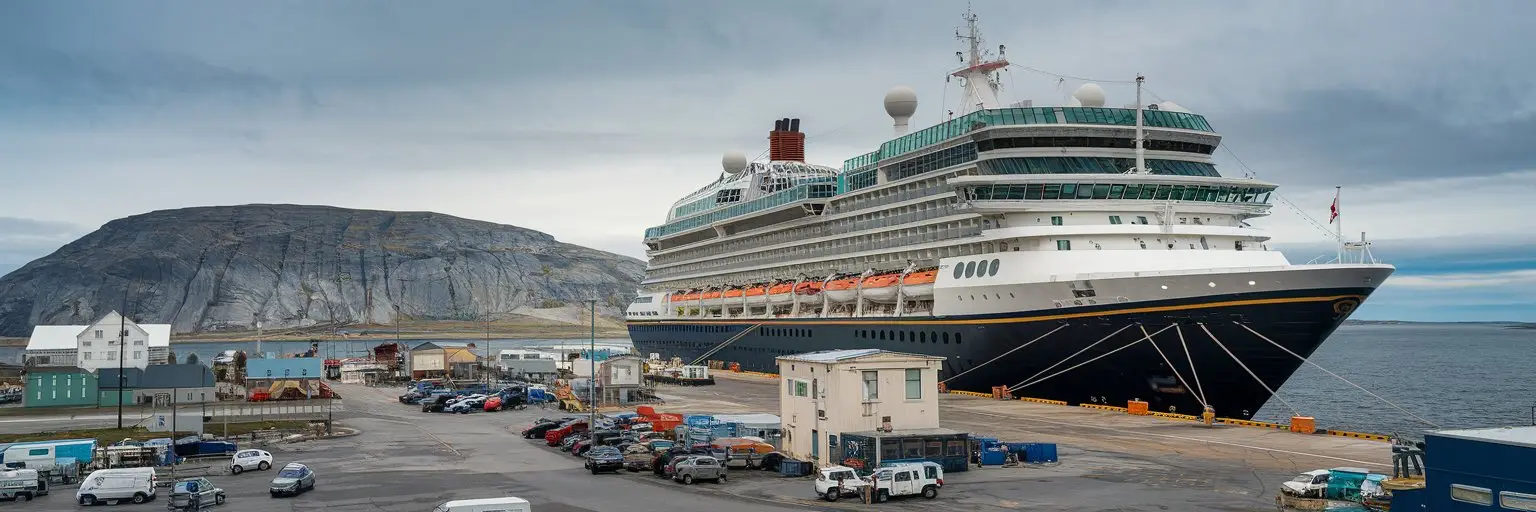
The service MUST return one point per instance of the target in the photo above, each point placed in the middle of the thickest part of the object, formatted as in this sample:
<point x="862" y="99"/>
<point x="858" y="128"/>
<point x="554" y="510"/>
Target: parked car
<point x="250" y="459"/>
<point x="22" y="484"/>
<point x="541" y="426"/>
<point x="194" y="493"/>
<point x="292" y="480"/>
<point x="699" y="468"/>
<point x="1311" y="484"/>
<point x="554" y="436"/>
<point x="638" y="457"/>
<point x="903" y="480"/>
<point x="466" y="405"/>
<point x="931" y="470"/>
<point x="581" y="446"/>
<point x="834" y="482"/>
<point x="604" y="458"/>
<point x="103" y="485"/>
<point x="436" y="404"/>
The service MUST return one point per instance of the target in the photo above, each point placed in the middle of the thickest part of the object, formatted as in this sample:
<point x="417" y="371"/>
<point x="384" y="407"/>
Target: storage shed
<point x="433" y="360"/>
<point x="112" y="388"/>
<point x="1480" y="469"/>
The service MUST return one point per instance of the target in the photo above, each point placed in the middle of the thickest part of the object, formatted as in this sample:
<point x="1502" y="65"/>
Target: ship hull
<point x="1300" y="320"/>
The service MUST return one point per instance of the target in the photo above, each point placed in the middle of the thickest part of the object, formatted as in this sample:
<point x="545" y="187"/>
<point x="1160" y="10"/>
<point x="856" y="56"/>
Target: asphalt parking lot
<point x="407" y="460"/>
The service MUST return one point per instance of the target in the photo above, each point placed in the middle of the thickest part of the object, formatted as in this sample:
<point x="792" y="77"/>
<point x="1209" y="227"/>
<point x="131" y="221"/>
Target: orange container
<point x="1303" y="424"/>
<point x="1136" y="407"/>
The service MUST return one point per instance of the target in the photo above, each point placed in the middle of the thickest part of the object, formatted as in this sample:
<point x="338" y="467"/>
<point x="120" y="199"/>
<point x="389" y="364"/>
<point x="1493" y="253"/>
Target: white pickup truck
<point x="22" y="484"/>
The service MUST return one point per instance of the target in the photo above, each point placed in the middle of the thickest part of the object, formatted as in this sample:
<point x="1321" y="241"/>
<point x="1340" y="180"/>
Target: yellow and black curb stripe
<point x="1042" y="401"/>
<point x="1249" y="423"/>
<point x="1359" y="435"/>
<point x="1102" y="407"/>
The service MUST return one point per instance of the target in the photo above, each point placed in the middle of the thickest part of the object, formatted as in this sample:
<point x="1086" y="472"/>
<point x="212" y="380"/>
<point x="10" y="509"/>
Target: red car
<point x="554" y="437"/>
<point x="493" y="404"/>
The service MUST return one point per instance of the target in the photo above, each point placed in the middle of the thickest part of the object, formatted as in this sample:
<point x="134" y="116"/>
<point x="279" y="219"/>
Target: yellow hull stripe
<point x="985" y="321"/>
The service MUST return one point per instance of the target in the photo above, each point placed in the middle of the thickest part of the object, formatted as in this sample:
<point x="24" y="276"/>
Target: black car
<point x="437" y="404"/>
<point x="604" y="458"/>
<point x="542" y="425"/>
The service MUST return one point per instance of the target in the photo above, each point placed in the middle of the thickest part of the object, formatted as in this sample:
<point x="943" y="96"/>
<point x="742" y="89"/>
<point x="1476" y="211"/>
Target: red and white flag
<point x="1333" y="211"/>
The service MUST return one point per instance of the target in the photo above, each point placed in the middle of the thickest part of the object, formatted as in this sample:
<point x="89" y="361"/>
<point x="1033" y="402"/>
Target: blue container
<point x="792" y="468"/>
<point x="698" y="420"/>
<point x="1039" y="453"/>
<point x="995" y="456"/>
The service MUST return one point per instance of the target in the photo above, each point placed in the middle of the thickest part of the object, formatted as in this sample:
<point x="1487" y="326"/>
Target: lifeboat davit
<point x="842" y="290"/>
<point x="757" y="294"/>
<point x="919" y="285"/>
<point x="781" y="293"/>
<point x="882" y="287"/>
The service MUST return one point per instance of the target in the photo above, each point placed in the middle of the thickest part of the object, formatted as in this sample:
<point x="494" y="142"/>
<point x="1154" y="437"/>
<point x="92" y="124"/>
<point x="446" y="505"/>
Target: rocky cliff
<point x="225" y="268"/>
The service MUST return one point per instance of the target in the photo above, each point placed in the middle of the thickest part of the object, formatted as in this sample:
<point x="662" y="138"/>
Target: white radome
<point x="1089" y="95"/>
<point x="901" y="102"/>
<point x="733" y="162"/>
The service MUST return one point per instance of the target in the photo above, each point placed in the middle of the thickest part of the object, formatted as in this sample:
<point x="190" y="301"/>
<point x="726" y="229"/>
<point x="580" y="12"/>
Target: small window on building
<point x="912" y="448"/>
<point x="914" y="384"/>
<point x="138" y="342"/>
<point x="871" y="385"/>
<point x="1056" y="221"/>
<point x="1470" y="494"/>
<point x="1063" y="245"/>
<point x="1114" y="219"/>
<point x="111" y="356"/>
<point x="890" y="449"/>
<point x="98" y="334"/>
<point x="1141" y="220"/>
<point x="799" y="388"/>
<point x="954" y="448"/>
<point x="934" y="449"/>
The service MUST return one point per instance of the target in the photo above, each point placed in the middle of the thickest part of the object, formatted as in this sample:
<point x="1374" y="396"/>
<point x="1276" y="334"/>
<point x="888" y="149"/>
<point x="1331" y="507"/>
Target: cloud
<point x="587" y="119"/>
<point x="1525" y="277"/>
<point x="23" y="240"/>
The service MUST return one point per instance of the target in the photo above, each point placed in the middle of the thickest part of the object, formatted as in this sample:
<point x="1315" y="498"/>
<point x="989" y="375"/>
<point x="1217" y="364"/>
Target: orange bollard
<point x="1209" y="416"/>
<point x="736" y="367"/>
<point x="1136" y="407"/>
<point x="1303" y="425"/>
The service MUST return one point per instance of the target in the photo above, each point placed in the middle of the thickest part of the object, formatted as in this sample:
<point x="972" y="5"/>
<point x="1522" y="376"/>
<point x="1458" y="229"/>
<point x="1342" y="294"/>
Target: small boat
<point x="919" y="285"/>
<point x="712" y="297"/>
<point x="843" y="290"/>
<point x="781" y="293"/>
<point x="733" y="294"/>
<point x="225" y="357"/>
<point x="881" y="287"/>
<point x="757" y="294"/>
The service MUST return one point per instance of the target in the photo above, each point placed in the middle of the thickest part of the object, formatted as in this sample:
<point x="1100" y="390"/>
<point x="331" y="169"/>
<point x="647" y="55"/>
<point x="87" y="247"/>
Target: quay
<point x="1109" y="459"/>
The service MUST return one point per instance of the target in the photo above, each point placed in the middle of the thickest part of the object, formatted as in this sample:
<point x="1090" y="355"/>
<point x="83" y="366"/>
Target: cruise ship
<point x="1081" y="253"/>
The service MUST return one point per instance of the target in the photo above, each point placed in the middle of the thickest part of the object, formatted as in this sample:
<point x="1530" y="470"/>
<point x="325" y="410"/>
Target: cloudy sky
<point x="587" y="119"/>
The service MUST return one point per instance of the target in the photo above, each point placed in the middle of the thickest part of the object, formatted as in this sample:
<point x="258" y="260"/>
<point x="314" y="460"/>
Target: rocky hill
<point x="224" y="268"/>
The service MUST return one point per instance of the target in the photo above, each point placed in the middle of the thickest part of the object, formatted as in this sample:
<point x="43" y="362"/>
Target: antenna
<point x="1141" y="145"/>
<point x="980" y="84"/>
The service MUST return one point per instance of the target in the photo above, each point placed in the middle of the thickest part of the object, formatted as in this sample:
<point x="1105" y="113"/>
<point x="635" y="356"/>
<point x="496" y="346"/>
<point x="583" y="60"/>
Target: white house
<point x="95" y="346"/>
<point x="829" y="393"/>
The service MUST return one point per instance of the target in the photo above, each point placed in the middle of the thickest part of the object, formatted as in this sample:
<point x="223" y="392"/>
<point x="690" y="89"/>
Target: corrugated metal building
<point x="1480" y="469"/>
<point x="60" y="387"/>
<point x="272" y="376"/>
<point x="188" y="383"/>
<point x="432" y="360"/>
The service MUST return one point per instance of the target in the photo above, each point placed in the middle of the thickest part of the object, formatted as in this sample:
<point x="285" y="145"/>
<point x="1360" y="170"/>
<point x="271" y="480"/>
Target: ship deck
<point x="1234" y="465"/>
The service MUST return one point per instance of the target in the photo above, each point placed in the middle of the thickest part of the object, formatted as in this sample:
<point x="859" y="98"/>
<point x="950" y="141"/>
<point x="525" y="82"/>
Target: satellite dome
<point x="1172" y="107"/>
<point x="901" y="102"/>
<point x="1089" y="95"/>
<point x="733" y="162"/>
<point x="1072" y="102"/>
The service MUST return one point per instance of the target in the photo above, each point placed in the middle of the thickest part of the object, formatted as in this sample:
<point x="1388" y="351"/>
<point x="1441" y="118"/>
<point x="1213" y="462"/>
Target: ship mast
<point x="980" y="86"/>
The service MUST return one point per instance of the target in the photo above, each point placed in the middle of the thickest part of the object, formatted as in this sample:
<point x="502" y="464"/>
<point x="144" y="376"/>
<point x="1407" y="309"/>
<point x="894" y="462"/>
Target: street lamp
<point x="592" y="361"/>
<point x="122" y="333"/>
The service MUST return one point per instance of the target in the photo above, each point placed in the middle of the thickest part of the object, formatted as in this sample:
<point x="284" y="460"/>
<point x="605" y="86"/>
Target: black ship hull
<point x="1299" y="320"/>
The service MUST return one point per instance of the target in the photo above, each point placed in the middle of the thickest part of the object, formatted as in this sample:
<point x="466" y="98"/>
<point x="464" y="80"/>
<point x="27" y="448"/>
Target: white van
<point x="123" y="484"/>
<point x="508" y="504"/>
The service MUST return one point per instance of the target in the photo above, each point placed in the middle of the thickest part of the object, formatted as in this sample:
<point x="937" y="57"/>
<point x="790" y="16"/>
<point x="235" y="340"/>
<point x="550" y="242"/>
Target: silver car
<point x="699" y="468"/>
<point x="194" y="493"/>
<point x="292" y="480"/>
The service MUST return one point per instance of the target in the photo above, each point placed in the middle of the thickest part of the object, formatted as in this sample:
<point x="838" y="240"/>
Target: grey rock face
<point x="225" y="268"/>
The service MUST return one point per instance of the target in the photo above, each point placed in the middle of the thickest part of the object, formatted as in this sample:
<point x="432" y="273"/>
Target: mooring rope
<point x="1074" y="354"/>
<point x="1101" y="356"/>
<point x="717" y="348"/>
<point x="1271" y="391"/>
<point x="1191" y="359"/>
<point x="1010" y="351"/>
<point x="1170" y="363"/>
<point x="1325" y="370"/>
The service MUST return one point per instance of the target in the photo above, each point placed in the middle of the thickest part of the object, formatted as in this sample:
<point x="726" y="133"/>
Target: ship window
<point x="970" y="269"/>
<point x="993" y="271"/>
<point x="1085" y="191"/>
<point x="1056" y="221"/>
<point x="957" y="341"/>
<point x="1515" y="500"/>
<point x="1099" y="192"/>
<point x="1141" y="219"/>
<point x="901" y="335"/>
<point x="1068" y="190"/>
<point x="959" y="271"/>
<point x="1131" y="192"/>
<point x="1051" y="191"/>
<point x="882" y="335"/>
<point x="1114" y="219"/>
<point x="1470" y="494"/>
<point x="1063" y="245"/>
<point x="1116" y="190"/>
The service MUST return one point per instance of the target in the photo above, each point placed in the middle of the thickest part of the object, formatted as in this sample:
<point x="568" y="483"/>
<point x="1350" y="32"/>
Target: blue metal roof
<point x="294" y="367"/>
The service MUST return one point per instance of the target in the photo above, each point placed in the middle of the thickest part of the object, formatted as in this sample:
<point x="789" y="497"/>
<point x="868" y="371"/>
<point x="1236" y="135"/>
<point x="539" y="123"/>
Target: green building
<point x="60" y="387"/>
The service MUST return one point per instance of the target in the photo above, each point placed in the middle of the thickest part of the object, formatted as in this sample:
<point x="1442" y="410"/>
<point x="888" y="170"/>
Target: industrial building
<point x="829" y="393"/>
<point x="1487" y="469"/>
<point x="432" y="360"/>
<point x="95" y="346"/>
<point x="60" y="387"/>
<point x="290" y="378"/>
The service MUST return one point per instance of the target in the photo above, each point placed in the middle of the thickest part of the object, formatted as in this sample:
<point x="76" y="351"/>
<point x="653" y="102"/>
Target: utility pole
<point x="592" y="362"/>
<point x="122" y="333"/>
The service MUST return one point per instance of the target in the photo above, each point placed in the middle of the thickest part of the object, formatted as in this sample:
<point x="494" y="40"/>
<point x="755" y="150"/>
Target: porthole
<point x="946" y="337"/>
<point x="922" y="337"/>
<point x="970" y="269"/>
<point x="993" y="271"/>
<point x="957" y="338"/>
<point x="959" y="270"/>
<point x="901" y="336"/>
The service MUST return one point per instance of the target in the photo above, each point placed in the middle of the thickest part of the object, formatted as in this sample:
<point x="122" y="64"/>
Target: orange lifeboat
<point x="780" y="293"/>
<point x="919" y="285"/>
<point x="809" y="288"/>
<point x="733" y="293"/>
<point x="843" y="290"/>
<point x="881" y="287"/>
<point x="757" y="294"/>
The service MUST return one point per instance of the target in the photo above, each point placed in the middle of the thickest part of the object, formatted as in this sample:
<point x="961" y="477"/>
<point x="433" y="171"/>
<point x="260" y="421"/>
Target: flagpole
<point x="1338" y="228"/>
